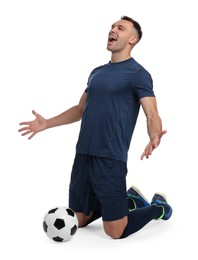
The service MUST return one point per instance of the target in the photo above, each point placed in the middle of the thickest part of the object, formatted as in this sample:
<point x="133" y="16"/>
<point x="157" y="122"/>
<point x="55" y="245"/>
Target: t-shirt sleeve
<point x="86" y="90"/>
<point x="143" y="84"/>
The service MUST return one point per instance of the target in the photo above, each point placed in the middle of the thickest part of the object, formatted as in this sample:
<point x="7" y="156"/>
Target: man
<point x="109" y="109"/>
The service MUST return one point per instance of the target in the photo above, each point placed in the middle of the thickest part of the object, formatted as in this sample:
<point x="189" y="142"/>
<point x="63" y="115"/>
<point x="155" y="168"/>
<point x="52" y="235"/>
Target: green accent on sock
<point x="162" y="211"/>
<point x="134" y="204"/>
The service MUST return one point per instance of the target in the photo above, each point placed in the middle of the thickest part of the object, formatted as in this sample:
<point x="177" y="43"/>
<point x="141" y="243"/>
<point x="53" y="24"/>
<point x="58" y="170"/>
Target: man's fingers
<point x="24" y="129"/>
<point x="26" y="133"/>
<point x="25" y="123"/>
<point x="31" y="136"/>
<point x="35" y="113"/>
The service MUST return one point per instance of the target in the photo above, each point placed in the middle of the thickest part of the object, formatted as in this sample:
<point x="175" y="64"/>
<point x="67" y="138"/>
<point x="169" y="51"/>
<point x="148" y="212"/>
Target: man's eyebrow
<point x="122" y="26"/>
<point x="119" y="25"/>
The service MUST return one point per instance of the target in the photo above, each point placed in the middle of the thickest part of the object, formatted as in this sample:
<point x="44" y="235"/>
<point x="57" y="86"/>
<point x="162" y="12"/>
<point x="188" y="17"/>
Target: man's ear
<point x="133" y="40"/>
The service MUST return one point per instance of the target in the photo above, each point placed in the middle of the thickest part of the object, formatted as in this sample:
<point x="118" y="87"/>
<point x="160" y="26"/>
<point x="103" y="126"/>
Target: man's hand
<point x="154" y="142"/>
<point x="33" y="127"/>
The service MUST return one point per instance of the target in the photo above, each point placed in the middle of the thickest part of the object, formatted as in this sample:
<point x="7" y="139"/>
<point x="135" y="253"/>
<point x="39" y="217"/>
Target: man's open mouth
<point x="112" y="39"/>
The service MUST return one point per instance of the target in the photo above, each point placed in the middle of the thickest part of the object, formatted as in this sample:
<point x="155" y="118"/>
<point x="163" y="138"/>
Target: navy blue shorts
<point x="98" y="184"/>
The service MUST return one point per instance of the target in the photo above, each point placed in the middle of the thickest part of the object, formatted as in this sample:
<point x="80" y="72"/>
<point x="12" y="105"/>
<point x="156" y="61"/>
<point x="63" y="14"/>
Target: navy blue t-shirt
<point x="112" y="108"/>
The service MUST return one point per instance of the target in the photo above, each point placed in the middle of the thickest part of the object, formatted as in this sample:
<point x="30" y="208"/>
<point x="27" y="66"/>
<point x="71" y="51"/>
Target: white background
<point x="47" y="50"/>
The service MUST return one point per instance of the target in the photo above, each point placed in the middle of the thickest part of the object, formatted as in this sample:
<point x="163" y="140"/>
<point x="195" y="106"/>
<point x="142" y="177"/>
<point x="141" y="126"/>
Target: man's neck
<point x="116" y="57"/>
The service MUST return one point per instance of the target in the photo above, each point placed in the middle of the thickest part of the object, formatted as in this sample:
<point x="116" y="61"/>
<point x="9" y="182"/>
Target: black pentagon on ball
<point x="45" y="226"/>
<point x="58" y="239"/>
<point x="73" y="230"/>
<point x="59" y="223"/>
<point x="52" y="210"/>
<point x="70" y="212"/>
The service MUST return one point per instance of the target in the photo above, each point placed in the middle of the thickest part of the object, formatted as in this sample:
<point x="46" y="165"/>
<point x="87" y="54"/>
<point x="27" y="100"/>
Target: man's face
<point x="121" y="36"/>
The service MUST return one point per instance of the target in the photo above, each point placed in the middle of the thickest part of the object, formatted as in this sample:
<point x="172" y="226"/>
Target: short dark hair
<point x="135" y="24"/>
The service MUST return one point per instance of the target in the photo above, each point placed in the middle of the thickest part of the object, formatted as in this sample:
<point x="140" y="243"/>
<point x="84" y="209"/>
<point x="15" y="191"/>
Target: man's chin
<point x="109" y="48"/>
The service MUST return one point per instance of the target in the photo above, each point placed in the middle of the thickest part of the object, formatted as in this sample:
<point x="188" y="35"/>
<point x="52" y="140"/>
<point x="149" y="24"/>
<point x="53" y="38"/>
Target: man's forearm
<point x="154" y="126"/>
<point x="71" y="115"/>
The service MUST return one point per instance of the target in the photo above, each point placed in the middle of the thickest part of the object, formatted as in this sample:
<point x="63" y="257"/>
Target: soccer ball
<point x="60" y="224"/>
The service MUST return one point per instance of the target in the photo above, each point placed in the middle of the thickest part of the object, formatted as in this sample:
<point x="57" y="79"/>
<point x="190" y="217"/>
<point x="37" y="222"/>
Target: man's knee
<point x="115" y="228"/>
<point x="82" y="219"/>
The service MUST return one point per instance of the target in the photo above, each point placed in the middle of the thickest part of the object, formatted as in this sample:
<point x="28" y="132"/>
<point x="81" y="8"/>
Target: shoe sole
<point x="162" y="195"/>
<point x="139" y="192"/>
